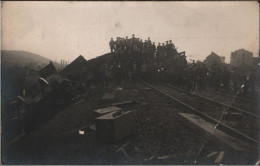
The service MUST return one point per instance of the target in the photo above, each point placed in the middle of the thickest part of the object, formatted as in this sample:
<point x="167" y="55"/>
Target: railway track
<point x="218" y="102"/>
<point x="233" y="121"/>
<point x="229" y="95"/>
<point x="248" y="103"/>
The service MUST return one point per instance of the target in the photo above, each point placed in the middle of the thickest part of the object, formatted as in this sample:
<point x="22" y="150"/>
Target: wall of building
<point x="241" y="57"/>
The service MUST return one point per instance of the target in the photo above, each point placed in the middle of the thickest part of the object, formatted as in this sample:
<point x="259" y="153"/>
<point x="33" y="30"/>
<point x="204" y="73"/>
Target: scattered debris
<point x="123" y="146"/>
<point x="235" y="113"/>
<point x="124" y="103"/>
<point x="117" y="113"/>
<point x="84" y="127"/>
<point x="126" y="155"/>
<point x="20" y="99"/>
<point x="137" y="149"/>
<point x="163" y="157"/>
<point x="93" y="127"/>
<point x="79" y="102"/>
<point x="43" y="82"/>
<point x="150" y="158"/>
<point x="141" y="103"/>
<point x="212" y="154"/>
<point x="124" y="152"/>
<point x="108" y="96"/>
<point x="104" y="111"/>
<point x="119" y="89"/>
<point x="81" y="132"/>
<point x="220" y="157"/>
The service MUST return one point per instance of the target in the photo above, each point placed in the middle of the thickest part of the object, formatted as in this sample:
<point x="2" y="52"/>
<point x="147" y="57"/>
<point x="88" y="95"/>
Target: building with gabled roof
<point x="212" y="59"/>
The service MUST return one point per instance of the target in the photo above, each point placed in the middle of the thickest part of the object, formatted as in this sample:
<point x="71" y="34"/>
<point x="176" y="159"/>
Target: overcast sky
<point x="67" y="29"/>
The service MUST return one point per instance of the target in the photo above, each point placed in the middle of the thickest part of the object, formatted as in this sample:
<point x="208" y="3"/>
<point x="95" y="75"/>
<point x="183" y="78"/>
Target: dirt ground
<point x="161" y="137"/>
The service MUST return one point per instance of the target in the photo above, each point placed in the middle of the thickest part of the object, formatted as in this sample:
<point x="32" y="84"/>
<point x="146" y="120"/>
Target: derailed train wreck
<point x="128" y="62"/>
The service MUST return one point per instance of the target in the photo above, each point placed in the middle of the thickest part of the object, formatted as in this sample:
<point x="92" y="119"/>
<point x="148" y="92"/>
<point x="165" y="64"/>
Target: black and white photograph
<point x="130" y="83"/>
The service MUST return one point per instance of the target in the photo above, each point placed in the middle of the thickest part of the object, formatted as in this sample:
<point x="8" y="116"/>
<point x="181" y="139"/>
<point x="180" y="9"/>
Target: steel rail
<point x="210" y="119"/>
<point x="229" y="95"/>
<point x="214" y="101"/>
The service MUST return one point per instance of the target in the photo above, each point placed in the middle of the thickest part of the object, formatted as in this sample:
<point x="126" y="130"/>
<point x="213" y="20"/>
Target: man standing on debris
<point x="159" y="52"/>
<point x="172" y="48"/>
<point x="121" y="43"/>
<point x="132" y="42"/>
<point x="163" y="51"/>
<point x="145" y="49"/>
<point x="117" y="44"/>
<point x="140" y="46"/>
<point x="128" y="45"/>
<point x="171" y="44"/>
<point x="154" y="50"/>
<point x="124" y="43"/>
<point x="167" y="50"/>
<point x="112" y="45"/>
<point x="149" y="42"/>
<point x="135" y="45"/>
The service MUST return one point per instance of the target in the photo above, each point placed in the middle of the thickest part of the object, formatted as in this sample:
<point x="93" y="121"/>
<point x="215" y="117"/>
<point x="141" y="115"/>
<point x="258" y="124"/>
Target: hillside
<point x="21" y="58"/>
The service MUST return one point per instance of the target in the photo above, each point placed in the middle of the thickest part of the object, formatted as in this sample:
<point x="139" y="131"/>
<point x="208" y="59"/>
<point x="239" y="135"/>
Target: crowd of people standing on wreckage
<point x="146" y="48"/>
<point x="134" y="58"/>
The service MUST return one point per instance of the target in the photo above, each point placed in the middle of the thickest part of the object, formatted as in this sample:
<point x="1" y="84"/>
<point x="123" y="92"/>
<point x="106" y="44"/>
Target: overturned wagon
<point x="38" y="103"/>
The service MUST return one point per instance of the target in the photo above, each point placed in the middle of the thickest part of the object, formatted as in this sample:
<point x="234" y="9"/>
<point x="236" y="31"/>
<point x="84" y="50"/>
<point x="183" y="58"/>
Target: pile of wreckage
<point x="52" y="90"/>
<point x="48" y="91"/>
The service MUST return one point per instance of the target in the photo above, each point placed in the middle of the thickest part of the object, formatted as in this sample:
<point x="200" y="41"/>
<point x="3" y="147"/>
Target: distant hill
<point x="22" y="58"/>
